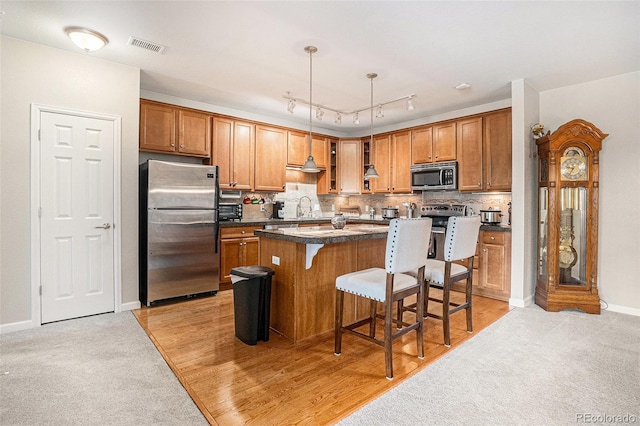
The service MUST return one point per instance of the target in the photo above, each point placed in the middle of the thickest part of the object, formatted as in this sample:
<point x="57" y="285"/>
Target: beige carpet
<point x="99" y="370"/>
<point x="530" y="367"/>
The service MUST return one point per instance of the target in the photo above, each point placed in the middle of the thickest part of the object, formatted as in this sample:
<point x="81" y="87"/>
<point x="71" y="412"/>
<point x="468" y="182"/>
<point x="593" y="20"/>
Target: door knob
<point x="105" y="226"/>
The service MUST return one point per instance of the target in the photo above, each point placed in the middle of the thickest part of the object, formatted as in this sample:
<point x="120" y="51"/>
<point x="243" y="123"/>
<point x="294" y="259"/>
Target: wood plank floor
<point x="278" y="382"/>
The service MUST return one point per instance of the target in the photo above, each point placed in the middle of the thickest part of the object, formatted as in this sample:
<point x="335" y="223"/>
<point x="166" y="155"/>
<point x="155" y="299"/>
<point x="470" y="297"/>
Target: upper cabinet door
<point x="297" y="148"/>
<point x="497" y="151"/>
<point x="243" y="155"/>
<point x="422" y="145"/>
<point x="270" y="159"/>
<point x="194" y="133"/>
<point x="157" y="127"/>
<point x="401" y="162"/>
<point x="444" y="142"/>
<point x="222" y="151"/>
<point x="349" y="168"/>
<point x="381" y="159"/>
<point x="470" y="154"/>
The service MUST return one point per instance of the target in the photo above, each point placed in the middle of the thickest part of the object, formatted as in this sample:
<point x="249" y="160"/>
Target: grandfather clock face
<point x="573" y="165"/>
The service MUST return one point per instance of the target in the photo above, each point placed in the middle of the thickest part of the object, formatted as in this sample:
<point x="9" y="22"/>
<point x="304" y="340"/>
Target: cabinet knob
<point x="488" y="183"/>
<point x="242" y="232"/>
<point x="181" y="146"/>
<point x="436" y="155"/>
<point x="484" y="250"/>
<point x="479" y="184"/>
<point x="173" y="144"/>
<point x="429" y="157"/>
<point x="493" y="238"/>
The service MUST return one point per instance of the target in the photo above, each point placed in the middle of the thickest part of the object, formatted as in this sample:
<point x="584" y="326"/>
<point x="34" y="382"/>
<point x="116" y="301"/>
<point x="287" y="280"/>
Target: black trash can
<point x="252" y="302"/>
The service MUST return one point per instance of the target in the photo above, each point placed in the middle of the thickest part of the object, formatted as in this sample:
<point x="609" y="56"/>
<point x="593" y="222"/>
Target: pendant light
<point x="310" y="165"/>
<point x="371" y="171"/>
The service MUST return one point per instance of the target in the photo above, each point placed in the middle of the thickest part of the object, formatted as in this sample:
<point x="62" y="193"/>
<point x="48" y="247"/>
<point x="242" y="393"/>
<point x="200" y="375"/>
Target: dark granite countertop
<point x="326" y="234"/>
<point x="327" y="220"/>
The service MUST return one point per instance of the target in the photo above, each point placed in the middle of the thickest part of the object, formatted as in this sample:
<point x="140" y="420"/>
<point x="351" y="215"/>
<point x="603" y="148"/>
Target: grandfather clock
<point x="568" y="184"/>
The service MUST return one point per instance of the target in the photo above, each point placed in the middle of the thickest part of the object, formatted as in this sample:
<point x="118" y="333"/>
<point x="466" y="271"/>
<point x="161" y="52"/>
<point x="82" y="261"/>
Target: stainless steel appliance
<point x="230" y="211"/>
<point x="435" y="176"/>
<point x="389" y="212"/>
<point x="178" y="246"/>
<point x="440" y="214"/>
<point x="490" y="216"/>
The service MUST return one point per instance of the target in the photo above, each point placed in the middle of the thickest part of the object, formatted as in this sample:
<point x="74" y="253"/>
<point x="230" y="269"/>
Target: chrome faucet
<point x="299" y="209"/>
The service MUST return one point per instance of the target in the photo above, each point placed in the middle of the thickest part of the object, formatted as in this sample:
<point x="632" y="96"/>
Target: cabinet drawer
<point x="238" y="231"/>
<point x="489" y="237"/>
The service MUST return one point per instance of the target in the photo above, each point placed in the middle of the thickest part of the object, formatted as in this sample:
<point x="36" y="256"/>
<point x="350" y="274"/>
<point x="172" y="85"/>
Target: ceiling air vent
<point x="154" y="47"/>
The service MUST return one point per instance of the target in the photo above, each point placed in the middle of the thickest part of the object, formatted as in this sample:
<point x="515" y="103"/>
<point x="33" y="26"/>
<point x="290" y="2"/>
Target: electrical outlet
<point x="261" y="207"/>
<point x="275" y="260"/>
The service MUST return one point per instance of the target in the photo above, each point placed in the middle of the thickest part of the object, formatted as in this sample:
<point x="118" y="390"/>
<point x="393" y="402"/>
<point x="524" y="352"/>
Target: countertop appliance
<point x="178" y="246"/>
<point x="229" y="211"/>
<point x="278" y="210"/>
<point x="389" y="212"/>
<point x="435" y="176"/>
<point x="490" y="216"/>
<point x="440" y="214"/>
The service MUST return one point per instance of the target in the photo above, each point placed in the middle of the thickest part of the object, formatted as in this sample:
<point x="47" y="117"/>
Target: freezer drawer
<point x="182" y="259"/>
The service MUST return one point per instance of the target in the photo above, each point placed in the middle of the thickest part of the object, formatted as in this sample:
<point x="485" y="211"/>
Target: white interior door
<point x="76" y="216"/>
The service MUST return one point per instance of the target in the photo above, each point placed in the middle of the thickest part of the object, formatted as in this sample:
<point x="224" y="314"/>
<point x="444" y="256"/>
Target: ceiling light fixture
<point x="338" y="118"/>
<point x="310" y="165"/>
<point x="319" y="113"/>
<point x="379" y="112"/>
<point x="463" y="86"/>
<point x="356" y="118"/>
<point x="86" y="39"/>
<point x="291" y="105"/>
<point x="371" y="171"/>
<point x="410" y="106"/>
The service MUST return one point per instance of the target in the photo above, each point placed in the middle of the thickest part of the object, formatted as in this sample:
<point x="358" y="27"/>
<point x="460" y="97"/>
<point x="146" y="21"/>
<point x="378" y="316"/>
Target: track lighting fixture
<point x="410" y="106"/>
<point x="339" y="113"/>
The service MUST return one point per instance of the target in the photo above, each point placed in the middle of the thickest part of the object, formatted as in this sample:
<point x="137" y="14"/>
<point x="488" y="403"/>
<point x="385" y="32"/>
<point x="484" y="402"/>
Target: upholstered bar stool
<point x="406" y="249"/>
<point x="459" y="250"/>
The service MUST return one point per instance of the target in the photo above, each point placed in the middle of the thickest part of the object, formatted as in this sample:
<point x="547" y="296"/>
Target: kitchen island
<point x="306" y="262"/>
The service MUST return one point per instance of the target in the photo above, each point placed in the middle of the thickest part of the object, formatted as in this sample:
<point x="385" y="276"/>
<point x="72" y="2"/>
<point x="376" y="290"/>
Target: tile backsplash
<point x="313" y="205"/>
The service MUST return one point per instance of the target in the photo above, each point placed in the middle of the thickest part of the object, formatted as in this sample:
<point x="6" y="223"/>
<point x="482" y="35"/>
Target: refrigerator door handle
<point x="216" y="232"/>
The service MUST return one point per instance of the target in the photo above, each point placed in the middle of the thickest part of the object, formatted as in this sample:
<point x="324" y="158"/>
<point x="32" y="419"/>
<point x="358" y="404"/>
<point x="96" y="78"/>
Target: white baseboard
<point x="130" y="306"/>
<point x="623" y="310"/>
<point x="16" y="326"/>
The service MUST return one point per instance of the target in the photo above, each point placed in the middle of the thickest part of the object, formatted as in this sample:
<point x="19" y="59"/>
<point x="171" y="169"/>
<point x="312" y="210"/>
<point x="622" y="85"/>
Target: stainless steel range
<point x="440" y="214"/>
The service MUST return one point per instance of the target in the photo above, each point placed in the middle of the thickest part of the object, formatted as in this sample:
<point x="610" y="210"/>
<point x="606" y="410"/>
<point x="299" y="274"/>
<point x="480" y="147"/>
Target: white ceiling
<point x="247" y="55"/>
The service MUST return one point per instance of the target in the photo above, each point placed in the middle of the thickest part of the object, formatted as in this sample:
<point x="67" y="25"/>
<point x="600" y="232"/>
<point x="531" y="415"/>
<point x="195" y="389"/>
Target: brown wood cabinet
<point x="328" y="179"/>
<point x="238" y="247"/>
<point x="433" y="143"/>
<point x="392" y="159"/>
<point x="233" y="152"/>
<point x="494" y="265"/>
<point x="484" y="152"/>
<point x="349" y="166"/>
<point x="270" y="158"/>
<point x="169" y="129"/>
<point x="298" y="149"/>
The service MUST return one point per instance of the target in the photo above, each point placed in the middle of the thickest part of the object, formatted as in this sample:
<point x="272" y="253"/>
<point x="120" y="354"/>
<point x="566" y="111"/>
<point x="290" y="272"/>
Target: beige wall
<point x="33" y="73"/>
<point x="613" y="105"/>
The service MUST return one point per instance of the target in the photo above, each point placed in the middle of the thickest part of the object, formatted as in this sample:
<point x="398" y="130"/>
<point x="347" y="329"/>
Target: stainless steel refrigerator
<point x="179" y="256"/>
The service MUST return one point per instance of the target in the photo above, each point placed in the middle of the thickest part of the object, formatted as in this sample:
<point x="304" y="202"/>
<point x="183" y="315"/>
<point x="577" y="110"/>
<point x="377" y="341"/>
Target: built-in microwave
<point x="435" y="176"/>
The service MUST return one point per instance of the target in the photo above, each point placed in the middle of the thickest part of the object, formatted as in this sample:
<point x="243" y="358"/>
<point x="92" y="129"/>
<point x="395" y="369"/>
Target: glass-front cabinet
<point x="568" y="185"/>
